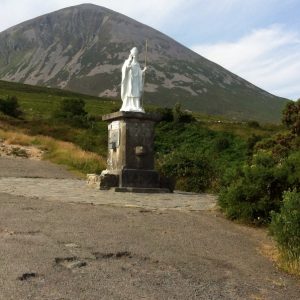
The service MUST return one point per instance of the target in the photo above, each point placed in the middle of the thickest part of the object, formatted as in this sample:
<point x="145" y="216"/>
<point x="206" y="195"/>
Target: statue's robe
<point x="131" y="86"/>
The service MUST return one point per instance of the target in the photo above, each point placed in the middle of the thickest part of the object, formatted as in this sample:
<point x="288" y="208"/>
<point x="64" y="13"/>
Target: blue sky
<point x="258" y="40"/>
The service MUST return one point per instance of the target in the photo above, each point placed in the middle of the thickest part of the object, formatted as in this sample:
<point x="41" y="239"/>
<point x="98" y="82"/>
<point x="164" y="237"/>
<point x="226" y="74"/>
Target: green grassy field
<point x="39" y="102"/>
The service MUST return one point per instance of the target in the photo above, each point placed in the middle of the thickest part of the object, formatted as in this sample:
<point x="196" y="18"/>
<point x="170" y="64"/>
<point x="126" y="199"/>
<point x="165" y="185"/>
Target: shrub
<point x="221" y="143"/>
<point x="73" y="112"/>
<point x="10" y="106"/>
<point x="215" y="153"/>
<point x="251" y="142"/>
<point x="192" y="172"/>
<point x="258" y="188"/>
<point x="291" y="167"/>
<point x="291" y="117"/>
<point x="256" y="192"/>
<point x="281" y="145"/>
<point x="181" y="116"/>
<point x="285" y="227"/>
<point x="253" y="124"/>
<point x="166" y="114"/>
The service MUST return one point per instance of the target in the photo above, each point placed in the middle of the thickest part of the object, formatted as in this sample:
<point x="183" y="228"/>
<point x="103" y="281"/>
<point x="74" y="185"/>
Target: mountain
<point x="82" y="48"/>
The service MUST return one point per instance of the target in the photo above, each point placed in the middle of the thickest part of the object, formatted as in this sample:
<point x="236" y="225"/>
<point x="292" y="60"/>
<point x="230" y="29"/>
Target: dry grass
<point x="270" y="251"/>
<point x="59" y="152"/>
<point x="15" y="138"/>
<point x="290" y="266"/>
<point x="279" y="258"/>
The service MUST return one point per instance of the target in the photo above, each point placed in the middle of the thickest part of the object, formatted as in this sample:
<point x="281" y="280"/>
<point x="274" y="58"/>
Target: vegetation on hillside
<point x="202" y="153"/>
<point x="266" y="188"/>
<point x="196" y="156"/>
<point x="54" y="113"/>
<point x="62" y="123"/>
<point x="273" y="167"/>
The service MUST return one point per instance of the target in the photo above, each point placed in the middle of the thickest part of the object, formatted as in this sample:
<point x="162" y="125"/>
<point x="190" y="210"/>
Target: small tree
<point x="72" y="111"/>
<point x="166" y="114"/>
<point x="10" y="106"/>
<point x="181" y="116"/>
<point x="291" y="117"/>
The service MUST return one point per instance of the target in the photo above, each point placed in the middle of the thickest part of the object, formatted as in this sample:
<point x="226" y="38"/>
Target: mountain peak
<point x="88" y="6"/>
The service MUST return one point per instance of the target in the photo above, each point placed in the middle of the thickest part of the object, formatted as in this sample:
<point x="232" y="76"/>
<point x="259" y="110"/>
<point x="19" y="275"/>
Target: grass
<point x="289" y="266"/>
<point x="40" y="102"/>
<point x="59" y="152"/>
<point x="279" y="257"/>
<point x="241" y="129"/>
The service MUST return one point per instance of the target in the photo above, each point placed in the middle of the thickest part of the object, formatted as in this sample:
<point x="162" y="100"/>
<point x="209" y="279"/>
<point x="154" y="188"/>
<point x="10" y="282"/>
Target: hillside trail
<point x="60" y="239"/>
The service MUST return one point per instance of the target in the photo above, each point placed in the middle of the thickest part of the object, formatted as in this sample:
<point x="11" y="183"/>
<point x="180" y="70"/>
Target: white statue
<point x="132" y="83"/>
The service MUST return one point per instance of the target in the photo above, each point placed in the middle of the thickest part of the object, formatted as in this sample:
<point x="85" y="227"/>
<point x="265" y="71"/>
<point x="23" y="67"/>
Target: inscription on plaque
<point x="114" y="135"/>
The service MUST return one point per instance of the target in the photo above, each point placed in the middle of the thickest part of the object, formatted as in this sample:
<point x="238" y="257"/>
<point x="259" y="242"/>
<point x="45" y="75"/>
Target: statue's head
<point x="134" y="52"/>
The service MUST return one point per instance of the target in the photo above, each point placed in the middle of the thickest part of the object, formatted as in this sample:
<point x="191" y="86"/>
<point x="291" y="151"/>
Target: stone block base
<point x="139" y="178"/>
<point x="132" y="180"/>
<point x="108" y="180"/>
<point x="141" y="190"/>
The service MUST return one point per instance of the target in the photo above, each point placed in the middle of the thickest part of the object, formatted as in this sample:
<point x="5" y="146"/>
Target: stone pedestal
<point x="130" y="162"/>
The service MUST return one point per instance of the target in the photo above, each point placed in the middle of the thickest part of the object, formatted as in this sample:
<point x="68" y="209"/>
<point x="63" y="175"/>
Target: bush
<point x="281" y="145"/>
<point x="285" y="227"/>
<point x="192" y="172"/>
<point x="251" y="142"/>
<point x="213" y="153"/>
<point x="221" y="143"/>
<point x="10" y="106"/>
<point x="291" y="117"/>
<point x="258" y="187"/>
<point x="253" y="124"/>
<point x="181" y="116"/>
<point x="291" y="167"/>
<point x="166" y="114"/>
<point x="73" y="112"/>
<point x="255" y="192"/>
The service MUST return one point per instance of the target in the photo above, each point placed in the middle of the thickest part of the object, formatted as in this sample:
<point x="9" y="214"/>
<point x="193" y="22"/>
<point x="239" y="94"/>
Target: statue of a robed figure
<point x="130" y="159"/>
<point x="132" y="84"/>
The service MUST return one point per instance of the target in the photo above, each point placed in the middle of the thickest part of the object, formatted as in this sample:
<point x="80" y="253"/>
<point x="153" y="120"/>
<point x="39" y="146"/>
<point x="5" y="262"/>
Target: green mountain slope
<point x="82" y="48"/>
<point x="38" y="103"/>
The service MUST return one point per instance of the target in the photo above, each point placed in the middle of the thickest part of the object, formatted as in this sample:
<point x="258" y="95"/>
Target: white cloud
<point x="268" y="57"/>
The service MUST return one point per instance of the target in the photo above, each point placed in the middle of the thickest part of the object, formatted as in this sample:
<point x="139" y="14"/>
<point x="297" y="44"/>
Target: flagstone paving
<point x="73" y="190"/>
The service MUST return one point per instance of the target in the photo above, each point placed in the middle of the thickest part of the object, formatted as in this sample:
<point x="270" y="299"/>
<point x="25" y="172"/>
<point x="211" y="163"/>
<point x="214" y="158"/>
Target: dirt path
<point x="27" y="168"/>
<point x="54" y="249"/>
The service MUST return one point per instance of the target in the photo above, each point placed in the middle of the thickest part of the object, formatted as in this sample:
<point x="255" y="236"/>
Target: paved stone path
<point x="73" y="190"/>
